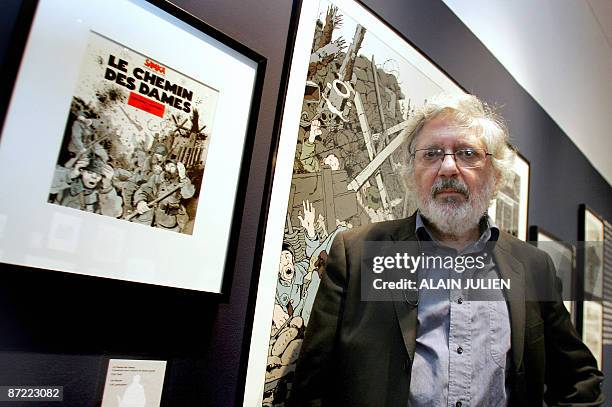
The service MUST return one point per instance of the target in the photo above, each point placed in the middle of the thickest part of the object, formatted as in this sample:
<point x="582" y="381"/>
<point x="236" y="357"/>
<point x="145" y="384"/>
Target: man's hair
<point x="469" y="111"/>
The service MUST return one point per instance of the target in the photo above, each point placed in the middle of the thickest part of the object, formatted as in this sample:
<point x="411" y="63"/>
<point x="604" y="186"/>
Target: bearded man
<point x="515" y="347"/>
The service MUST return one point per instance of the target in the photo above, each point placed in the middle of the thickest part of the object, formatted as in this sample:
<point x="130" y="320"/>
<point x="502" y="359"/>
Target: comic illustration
<point x="593" y="255"/>
<point x="135" y="140"/>
<point x="347" y="171"/>
<point x="508" y="206"/>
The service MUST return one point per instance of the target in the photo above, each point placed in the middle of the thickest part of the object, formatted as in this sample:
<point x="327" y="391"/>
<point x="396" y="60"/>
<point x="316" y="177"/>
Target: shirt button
<point x="460" y="350"/>
<point x="459" y="300"/>
<point x="458" y="404"/>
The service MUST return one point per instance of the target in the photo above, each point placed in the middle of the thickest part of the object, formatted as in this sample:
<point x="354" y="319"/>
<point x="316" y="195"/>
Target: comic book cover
<point x="358" y="98"/>
<point x="136" y="139"/>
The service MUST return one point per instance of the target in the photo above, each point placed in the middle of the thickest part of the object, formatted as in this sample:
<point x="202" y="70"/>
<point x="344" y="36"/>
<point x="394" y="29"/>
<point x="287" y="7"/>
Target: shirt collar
<point x="489" y="232"/>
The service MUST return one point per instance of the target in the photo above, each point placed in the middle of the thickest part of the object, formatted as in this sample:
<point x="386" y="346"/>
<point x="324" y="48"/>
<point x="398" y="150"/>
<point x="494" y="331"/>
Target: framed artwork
<point x="592" y="329"/>
<point x="592" y="233"/>
<point x="591" y="228"/>
<point x="607" y="283"/>
<point x="116" y="144"/>
<point x="353" y="85"/>
<point x="510" y="209"/>
<point x="563" y="255"/>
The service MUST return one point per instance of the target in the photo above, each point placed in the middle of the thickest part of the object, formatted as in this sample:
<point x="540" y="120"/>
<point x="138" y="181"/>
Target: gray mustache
<point x="449" y="183"/>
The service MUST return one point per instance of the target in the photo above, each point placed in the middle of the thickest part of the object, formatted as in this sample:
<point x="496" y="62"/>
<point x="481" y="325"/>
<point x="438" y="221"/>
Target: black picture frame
<point x="583" y="211"/>
<point x="11" y="68"/>
<point x="522" y="233"/>
<point x="584" y="245"/>
<point x="534" y="232"/>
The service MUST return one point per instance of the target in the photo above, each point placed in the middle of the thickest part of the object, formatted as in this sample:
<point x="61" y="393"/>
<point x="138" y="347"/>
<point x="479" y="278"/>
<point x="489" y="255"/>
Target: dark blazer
<point x="359" y="353"/>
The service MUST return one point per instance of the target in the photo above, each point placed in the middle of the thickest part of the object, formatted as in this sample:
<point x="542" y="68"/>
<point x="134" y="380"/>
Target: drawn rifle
<point x="281" y="328"/>
<point x="154" y="202"/>
<point x="88" y="147"/>
<point x="138" y="126"/>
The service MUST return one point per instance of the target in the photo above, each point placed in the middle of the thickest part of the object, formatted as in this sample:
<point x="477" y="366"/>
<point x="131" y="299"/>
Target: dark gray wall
<point x="60" y="329"/>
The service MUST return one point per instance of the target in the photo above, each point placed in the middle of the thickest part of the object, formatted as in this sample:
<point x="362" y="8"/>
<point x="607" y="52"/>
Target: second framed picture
<point x="563" y="255"/>
<point x="510" y="209"/>
<point x="354" y="87"/>
<point x="591" y="229"/>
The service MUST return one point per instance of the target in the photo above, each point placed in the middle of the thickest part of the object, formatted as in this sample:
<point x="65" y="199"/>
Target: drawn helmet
<point x="287" y="246"/>
<point x="160" y="149"/>
<point x="95" y="165"/>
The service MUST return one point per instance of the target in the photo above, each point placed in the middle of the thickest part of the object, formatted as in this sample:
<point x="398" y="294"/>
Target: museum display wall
<point x="62" y="329"/>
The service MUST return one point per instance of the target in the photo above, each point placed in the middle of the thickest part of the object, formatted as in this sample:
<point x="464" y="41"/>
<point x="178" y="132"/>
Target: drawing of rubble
<point x="346" y="172"/>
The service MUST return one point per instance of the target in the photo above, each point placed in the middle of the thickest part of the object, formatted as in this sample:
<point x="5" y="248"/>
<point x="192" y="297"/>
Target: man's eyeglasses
<point x="464" y="157"/>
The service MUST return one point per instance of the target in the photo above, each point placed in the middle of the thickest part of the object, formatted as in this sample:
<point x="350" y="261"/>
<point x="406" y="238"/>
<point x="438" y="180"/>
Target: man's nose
<point x="448" y="166"/>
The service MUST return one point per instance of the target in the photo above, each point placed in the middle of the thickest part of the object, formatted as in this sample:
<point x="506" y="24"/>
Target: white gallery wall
<point x="560" y="51"/>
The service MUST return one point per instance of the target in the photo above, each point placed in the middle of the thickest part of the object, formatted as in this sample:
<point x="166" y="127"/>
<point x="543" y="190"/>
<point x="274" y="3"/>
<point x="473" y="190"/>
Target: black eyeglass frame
<point x="413" y="154"/>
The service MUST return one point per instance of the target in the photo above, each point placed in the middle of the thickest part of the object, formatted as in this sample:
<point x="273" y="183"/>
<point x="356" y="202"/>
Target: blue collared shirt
<point x="462" y="346"/>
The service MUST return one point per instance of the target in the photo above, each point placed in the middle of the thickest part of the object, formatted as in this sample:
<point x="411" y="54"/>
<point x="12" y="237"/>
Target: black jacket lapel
<point x="405" y="311"/>
<point x="407" y="317"/>
<point x="510" y="268"/>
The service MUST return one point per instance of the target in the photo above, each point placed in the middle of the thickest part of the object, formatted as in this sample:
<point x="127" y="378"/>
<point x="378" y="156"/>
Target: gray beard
<point x="453" y="217"/>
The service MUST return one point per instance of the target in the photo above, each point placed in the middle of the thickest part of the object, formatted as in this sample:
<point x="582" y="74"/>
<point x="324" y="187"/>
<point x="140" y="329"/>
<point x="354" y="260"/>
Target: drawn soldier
<point x="293" y="298"/>
<point x="298" y="282"/>
<point x="142" y="166"/>
<point x="159" y="201"/>
<point x="154" y="163"/>
<point x="83" y="138"/>
<point x="310" y="160"/>
<point x="87" y="186"/>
